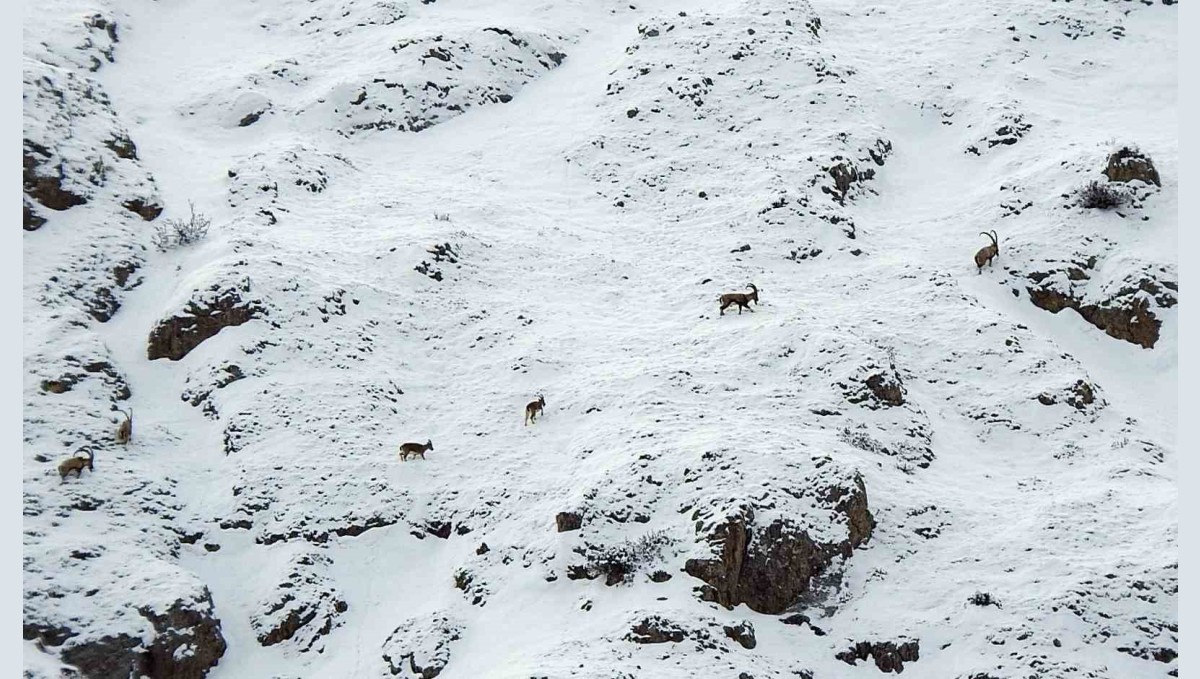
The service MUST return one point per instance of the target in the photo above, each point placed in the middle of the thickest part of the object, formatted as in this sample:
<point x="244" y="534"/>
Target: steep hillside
<point x="426" y="214"/>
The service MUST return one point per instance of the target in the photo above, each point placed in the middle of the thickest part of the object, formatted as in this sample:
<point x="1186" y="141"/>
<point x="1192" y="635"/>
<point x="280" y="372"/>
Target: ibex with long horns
<point x="534" y="408"/>
<point x="987" y="252"/>
<point x="742" y="299"/>
<point x="76" y="464"/>
<point x="125" y="428"/>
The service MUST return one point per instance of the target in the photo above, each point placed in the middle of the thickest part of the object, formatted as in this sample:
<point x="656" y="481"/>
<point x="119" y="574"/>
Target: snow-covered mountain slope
<point x="425" y="214"/>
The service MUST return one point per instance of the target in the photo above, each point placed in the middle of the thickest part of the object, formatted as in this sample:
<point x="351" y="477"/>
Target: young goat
<point x="987" y="252"/>
<point x="75" y="464"/>
<point x="414" y="449"/>
<point x="125" y="429"/>
<point x="741" y="299"/>
<point x="534" y="408"/>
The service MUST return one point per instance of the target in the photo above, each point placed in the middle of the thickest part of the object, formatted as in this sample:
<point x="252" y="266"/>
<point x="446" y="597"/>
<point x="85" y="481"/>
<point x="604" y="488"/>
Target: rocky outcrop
<point x="888" y="655"/>
<point x="304" y="608"/>
<point x="200" y="389"/>
<point x="617" y="561"/>
<point x="1123" y="309"/>
<point x="880" y="388"/>
<point x="656" y="630"/>
<point x="45" y="184"/>
<point x="847" y="173"/>
<point x="421" y="82"/>
<point x="768" y="567"/>
<point x="1079" y="396"/>
<point x="887" y="388"/>
<point x="1126" y="165"/>
<point x="1010" y="127"/>
<point x="421" y="646"/>
<point x="176" y="336"/>
<point x="30" y="220"/>
<point x="187" y="643"/>
<point x="74" y="371"/>
<point x="110" y="657"/>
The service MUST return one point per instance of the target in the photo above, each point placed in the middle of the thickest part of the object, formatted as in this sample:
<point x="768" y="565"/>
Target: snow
<point x="581" y="246"/>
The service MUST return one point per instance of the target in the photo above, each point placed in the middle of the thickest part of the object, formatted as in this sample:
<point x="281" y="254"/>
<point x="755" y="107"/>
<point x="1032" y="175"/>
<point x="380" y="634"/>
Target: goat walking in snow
<point x="742" y="299"/>
<point x="415" y="449"/>
<point x="534" y="408"/>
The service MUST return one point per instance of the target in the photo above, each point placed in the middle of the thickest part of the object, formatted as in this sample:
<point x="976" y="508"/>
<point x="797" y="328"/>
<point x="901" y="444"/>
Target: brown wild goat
<point x="534" y="408"/>
<point x="741" y="299"/>
<point x="75" y="464"/>
<point x="125" y="429"/>
<point x="414" y="449"/>
<point x="987" y="252"/>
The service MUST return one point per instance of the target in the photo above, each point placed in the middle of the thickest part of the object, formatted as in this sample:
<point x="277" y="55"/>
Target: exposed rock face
<point x="568" y="521"/>
<point x="123" y="146"/>
<point x="852" y="503"/>
<point x="421" y="646"/>
<point x="46" y="185"/>
<point x="1081" y="395"/>
<point x="30" y="220"/>
<point x="187" y="644"/>
<point x="305" y="608"/>
<point x="887" y="388"/>
<point x="769" y="567"/>
<point x="844" y="175"/>
<point x="189" y="640"/>
<point x="115" y="657"/>
<point x="1126" y="165"/>
<point x="888" y="656"/>
<point x="881" y="388"/>
<point x="1124" y="310"/>
<point x="176" y="336"/>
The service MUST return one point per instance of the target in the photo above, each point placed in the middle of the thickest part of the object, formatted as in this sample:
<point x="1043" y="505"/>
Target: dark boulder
<point x="567" y="521"/>
<point x="743" y="633"/>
